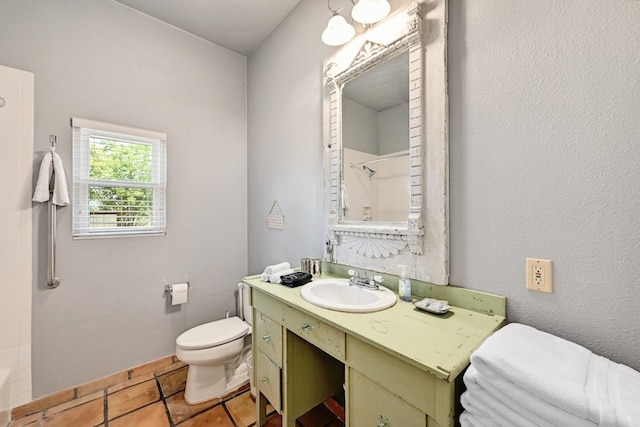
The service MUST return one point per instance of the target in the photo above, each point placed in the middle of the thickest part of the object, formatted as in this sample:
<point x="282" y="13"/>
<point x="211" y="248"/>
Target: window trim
<point x="82" y="182"/>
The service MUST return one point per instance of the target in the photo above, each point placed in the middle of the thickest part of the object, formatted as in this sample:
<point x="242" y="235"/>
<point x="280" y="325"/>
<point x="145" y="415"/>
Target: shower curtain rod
<point x="380" y="159"/>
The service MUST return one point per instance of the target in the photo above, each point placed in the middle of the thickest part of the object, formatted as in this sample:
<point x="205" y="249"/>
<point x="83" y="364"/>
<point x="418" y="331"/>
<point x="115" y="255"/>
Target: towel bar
<point x="52" y="281"/>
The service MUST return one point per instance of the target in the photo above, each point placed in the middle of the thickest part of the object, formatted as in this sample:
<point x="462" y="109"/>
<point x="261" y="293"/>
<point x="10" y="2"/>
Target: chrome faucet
<point x="364" y="281"/>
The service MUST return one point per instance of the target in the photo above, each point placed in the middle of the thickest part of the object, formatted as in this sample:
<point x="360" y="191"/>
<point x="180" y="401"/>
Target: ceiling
<point x="238" y="25"/>
<point x="381" y="87"/>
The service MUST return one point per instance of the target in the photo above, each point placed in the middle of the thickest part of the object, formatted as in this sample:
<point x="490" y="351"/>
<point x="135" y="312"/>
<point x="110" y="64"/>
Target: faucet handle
<point x="377" y="279"/>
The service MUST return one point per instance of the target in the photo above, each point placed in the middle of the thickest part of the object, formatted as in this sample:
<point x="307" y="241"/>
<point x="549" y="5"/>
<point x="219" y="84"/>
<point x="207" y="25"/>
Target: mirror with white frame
<point x="395" y="213"/>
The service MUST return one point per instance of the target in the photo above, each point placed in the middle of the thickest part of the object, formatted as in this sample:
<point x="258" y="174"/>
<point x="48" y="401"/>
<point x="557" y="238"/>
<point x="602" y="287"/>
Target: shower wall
<point x="16" y="146"/>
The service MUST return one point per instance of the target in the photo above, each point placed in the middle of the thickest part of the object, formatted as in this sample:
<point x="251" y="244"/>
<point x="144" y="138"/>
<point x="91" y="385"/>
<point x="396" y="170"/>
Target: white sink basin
<point x="336" y="294"/>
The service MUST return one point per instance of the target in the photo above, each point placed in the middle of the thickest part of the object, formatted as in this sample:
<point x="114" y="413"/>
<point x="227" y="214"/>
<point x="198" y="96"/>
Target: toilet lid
<point x="213" y="334"/>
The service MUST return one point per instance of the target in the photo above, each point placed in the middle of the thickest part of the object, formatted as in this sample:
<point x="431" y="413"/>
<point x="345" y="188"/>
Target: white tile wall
<point x="390" y="184"/>
<point x="16" y="145"/>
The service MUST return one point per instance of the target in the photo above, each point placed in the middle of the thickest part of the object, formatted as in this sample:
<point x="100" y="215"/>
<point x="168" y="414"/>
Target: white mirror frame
<point x="422" y="242"/>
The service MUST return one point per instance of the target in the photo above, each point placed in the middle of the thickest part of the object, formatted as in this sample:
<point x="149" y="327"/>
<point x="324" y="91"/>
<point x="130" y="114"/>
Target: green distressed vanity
<point x="399" y="367"/>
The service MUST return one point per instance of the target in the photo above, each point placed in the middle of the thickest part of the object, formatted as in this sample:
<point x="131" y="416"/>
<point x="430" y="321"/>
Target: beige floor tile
<point x="28" y="421"/>
<point x="151" y="367"/>
<point x="242" y="409"/>
<point x="173" y="381"/>
<point x="117" y="387"/>
<point x="87" y="415"/>
<point x="132" y="398"/>
<point x="43" y="403"/>
<point x="236" y="392"/>
<point x="174" y="366"/>
<point x="215" y="416"/>
<point x="102" y="383"/>
<point x="180" y="410"/>
<point x="274" y="420"/>
<point x="73" y="403"/>
<point x="150" y="416"/>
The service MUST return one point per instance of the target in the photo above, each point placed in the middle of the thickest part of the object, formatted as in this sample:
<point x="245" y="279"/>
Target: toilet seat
<point x="213" y="334"/>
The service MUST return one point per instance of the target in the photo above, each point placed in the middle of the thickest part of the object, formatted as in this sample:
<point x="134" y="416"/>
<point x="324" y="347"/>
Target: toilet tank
<point x="245" y="308"/>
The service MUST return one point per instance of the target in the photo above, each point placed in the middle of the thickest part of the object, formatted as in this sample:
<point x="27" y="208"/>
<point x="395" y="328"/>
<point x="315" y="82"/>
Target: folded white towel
<point x="549" y="367"/>
<point x="52" y="165"/>
<point x="272" y="269"/>
<point x="468" y="419"/>
<point x="275" y="278"/>
<point x="559" y="372"/>
<point x="514" y="403"/>
<point x="492" y="412"/>
<point x="624" y="384"/>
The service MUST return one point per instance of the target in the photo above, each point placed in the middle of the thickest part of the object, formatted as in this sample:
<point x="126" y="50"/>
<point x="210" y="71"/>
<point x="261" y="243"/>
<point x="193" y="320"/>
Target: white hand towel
<point x="275" y="278"/>
<point x="52" y="165"/>
<point x="344" y="199"/>
<point x="60" y="189"/>
<point x="41" y="193"/>
<point x="272" y="269"/>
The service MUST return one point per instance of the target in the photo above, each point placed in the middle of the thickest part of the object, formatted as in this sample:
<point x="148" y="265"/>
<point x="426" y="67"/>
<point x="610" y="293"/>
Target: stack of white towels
<point x="272" y="273"/>
<point x="521" y="376"/>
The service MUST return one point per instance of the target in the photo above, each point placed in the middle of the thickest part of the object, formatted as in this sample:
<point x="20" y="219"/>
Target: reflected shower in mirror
<point x="375" y="143"/>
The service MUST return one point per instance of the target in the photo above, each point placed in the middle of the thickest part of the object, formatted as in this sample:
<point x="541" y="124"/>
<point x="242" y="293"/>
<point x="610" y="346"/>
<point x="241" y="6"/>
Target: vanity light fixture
<point x="370" y="11"/>
<point x="338" y="30"/>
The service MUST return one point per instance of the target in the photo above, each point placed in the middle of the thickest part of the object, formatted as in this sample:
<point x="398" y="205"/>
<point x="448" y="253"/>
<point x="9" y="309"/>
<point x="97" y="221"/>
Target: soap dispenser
<point x="404" y="285"/>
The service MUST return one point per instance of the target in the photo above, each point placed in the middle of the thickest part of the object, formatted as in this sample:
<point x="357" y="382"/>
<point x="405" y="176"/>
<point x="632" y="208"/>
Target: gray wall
<point x="99" y="60"/>
<point x="359" y="127"/>
<point x="285" y="138"/>
<point x="544" y="102"/>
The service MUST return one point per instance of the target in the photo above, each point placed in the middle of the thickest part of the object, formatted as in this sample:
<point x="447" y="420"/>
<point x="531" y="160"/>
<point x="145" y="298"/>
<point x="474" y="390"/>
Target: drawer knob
<point x="267" y="338"/>
<point x="383" y="422"/>
<point x="306" y="327"/>
<point x="265" y="379"/>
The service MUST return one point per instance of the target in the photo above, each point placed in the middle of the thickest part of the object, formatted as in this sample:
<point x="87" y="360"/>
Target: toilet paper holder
<point x="169" y="287"/>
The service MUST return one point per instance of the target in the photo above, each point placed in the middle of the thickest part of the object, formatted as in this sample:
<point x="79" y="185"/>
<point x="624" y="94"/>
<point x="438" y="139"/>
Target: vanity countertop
<point x="438" y="344"/>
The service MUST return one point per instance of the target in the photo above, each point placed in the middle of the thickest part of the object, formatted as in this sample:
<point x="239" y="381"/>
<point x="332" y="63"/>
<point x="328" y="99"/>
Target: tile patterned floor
<point x="151" y="395"/>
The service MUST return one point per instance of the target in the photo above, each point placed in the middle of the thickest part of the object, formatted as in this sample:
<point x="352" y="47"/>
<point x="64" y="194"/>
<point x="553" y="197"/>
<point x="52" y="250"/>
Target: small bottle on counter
<point x="404" y="285"/>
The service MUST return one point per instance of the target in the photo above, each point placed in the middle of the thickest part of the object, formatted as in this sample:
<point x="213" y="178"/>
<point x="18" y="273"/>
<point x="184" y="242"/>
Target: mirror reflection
<point x="375" y="143"/>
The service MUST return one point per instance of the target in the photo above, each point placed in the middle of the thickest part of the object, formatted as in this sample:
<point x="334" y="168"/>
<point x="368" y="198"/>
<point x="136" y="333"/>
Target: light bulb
<point x="370" y="11"/>
<point x="338" y="31"/>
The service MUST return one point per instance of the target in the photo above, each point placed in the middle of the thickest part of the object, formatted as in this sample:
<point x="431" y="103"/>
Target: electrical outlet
<point x="539" y="275"/>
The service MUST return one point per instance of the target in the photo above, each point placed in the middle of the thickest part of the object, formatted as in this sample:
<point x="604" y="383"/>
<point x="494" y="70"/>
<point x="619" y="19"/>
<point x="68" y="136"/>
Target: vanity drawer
<point x="318" y="333"/>
<point x="267" y="305"/>
<point x="371" y="405"/>
<point x="420" y="389"/>
<point x="267" y="375"/>
<point x="268" y="334"/>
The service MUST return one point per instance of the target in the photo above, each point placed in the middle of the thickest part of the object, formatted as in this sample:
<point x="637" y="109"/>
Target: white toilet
<point x="216" y="353"/>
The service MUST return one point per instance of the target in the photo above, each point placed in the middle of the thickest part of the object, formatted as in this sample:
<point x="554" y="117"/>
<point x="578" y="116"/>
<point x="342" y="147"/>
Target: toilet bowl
<point x="216" y="353"/>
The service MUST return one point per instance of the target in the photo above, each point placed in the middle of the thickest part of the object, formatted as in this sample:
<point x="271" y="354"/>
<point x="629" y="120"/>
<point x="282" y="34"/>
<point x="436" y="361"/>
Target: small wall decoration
<point x="275" y="219"/>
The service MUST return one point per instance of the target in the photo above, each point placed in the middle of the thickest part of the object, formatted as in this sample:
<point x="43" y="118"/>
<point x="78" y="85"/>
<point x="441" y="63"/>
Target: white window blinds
<point x="119" y="180"/>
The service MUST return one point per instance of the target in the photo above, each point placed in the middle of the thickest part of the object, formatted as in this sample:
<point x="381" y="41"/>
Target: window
<point x="119" y="180"/>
